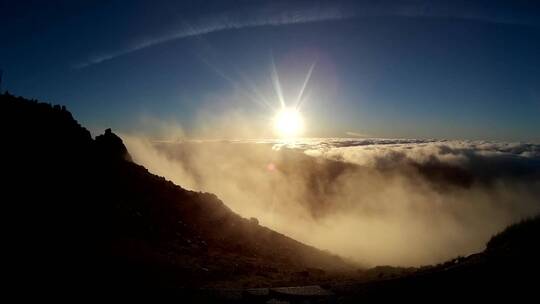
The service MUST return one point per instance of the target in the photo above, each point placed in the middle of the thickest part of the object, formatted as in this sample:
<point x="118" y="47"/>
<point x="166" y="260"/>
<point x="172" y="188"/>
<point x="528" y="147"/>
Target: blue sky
<point x="442" y="69"/>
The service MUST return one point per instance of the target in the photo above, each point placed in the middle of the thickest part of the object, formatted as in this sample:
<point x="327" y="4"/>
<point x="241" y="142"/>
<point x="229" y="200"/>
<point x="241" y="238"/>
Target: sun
<point x="288" y="123"/>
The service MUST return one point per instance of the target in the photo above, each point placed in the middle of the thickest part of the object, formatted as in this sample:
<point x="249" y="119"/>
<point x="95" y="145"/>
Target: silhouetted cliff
<point x="81" y="209"/>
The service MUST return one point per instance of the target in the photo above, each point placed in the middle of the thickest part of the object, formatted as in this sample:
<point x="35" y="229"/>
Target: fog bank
<point x="377" y="201"/>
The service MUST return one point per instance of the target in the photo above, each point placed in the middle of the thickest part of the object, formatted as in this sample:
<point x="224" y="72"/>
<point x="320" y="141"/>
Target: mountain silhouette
<point x="79" y="208"/>
<point x="80" y="216"/>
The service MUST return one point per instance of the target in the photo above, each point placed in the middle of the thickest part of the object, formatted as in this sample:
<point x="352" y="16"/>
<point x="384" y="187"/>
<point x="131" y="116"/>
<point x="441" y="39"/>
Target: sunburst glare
<point x="288" y="123"/>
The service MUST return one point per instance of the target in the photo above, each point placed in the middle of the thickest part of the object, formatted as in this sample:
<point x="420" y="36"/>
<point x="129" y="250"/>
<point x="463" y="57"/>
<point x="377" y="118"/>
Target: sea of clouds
<point x="405" y="202"/>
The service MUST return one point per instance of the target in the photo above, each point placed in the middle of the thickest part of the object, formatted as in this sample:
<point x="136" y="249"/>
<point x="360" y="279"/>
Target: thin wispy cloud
<point x="287" y="14"/>
<point x="228" y="21"/>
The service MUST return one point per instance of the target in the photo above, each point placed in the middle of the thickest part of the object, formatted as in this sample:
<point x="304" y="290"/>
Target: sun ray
<point x="302" y="89"/>
<point x="251" y="93"/>
<point x="277" y="84"/>
<point x="253" y="88"/>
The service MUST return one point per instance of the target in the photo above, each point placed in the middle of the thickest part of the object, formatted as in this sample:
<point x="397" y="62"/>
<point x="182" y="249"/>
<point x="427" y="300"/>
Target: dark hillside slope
<point x="505" y="270"/>
<point x="78" y="208"/>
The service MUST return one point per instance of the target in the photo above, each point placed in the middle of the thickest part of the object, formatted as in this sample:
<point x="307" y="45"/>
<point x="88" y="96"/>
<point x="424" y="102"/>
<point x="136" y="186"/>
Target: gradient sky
<point x="440" y="69"/>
